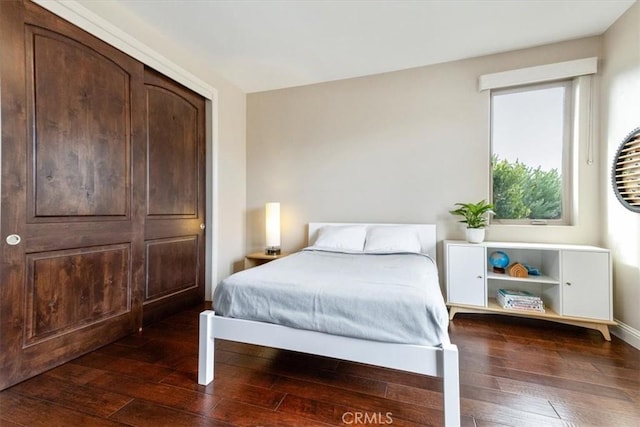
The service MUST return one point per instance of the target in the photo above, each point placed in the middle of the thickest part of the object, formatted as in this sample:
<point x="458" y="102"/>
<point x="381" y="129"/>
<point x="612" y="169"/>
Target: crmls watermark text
<point x="354" y="418"/>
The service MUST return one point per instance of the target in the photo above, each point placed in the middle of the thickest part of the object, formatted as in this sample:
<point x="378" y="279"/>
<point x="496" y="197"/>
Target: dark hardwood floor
<point x="514" y="372"/>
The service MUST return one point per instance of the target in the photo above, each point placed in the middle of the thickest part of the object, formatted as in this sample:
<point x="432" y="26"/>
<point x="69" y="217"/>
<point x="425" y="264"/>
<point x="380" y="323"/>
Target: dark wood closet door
<point x="72" y="190"/>
<point x="175" y="214"/>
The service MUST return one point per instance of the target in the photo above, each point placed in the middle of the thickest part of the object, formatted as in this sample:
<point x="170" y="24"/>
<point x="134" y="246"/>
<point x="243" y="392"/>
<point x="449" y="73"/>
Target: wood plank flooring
<point x="514" y="372"/>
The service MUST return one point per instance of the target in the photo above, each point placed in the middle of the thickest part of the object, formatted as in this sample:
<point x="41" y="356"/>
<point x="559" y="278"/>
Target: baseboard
<point x="627" y="334"/>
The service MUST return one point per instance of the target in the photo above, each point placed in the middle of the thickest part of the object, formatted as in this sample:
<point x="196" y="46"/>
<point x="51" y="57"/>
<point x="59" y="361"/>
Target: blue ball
<point x="499" y="259"/>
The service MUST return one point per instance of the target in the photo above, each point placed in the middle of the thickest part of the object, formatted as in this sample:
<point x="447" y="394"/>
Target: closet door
<point x="175" y="215"/>
<point x="72" y="190"/>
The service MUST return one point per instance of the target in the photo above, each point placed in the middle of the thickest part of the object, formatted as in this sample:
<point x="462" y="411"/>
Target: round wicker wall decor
<point x="625" y="173"/>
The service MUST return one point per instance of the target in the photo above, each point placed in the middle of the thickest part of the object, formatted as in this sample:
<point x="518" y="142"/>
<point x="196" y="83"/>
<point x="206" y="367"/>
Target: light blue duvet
<point x="382" y="297"/>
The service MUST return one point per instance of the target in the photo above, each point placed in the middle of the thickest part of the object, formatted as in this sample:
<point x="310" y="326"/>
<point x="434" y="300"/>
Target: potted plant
<point x="475" y="216"/>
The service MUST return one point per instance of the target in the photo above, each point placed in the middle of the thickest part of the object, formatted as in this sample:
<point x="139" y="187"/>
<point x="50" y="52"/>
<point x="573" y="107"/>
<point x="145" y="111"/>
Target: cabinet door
<point x="466" y="271"/>
<point x="585" y="285"/>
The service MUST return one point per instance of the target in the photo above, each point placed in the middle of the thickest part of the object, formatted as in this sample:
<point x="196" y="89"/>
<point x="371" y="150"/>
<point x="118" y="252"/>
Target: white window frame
<point x="579" y="72"/>
<point x="567" y="150"/>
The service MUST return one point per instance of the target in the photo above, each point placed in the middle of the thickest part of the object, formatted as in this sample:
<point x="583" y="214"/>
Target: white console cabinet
<point x="574" y="284"/>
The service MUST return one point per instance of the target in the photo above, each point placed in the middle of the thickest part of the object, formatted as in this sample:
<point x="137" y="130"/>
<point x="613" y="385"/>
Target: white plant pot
<point x="475" y="235"/>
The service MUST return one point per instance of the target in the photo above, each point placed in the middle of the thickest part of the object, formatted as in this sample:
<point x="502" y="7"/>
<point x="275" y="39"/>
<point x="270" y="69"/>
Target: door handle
<point x="13" y="239"/>
<point x="202" y="226"/>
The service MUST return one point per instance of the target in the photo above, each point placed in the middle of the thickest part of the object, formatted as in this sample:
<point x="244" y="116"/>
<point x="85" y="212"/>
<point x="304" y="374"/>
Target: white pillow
<point x="392" y="239"/>
<point x="347" y="237"/>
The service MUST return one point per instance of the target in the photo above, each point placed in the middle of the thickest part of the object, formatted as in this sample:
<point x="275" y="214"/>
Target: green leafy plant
<point x="475" y="214"/>
<point x="520" y="191"/>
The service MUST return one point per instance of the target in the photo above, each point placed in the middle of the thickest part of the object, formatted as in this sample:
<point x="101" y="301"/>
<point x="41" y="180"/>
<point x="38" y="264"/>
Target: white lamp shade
<point x="272" y="225"/>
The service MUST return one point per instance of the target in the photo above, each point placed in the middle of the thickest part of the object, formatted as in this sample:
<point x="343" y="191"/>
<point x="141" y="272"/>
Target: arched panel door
<point x="175" y="209"/>
<point x="71" y="249"/>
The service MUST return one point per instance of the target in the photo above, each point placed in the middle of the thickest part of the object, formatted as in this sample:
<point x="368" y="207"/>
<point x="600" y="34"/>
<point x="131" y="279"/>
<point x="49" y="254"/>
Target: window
<point x="541" y="126"/>
<point x="531" y="152"/>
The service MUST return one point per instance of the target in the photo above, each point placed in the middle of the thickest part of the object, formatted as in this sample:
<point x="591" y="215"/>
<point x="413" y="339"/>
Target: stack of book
<point x="520" y="300"/>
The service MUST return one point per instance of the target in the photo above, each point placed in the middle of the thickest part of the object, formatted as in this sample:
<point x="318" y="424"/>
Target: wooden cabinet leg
<point x="604" y="330"/>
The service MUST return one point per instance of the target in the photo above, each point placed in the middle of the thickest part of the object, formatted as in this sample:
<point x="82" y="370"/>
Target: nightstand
<point x="258" y="258"/>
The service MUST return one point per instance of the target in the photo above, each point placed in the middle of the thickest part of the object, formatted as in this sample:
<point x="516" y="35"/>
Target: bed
<point x="389" y="262"/>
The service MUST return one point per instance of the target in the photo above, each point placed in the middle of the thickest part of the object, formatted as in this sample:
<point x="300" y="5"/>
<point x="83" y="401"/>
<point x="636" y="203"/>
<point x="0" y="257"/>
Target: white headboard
<point x="426" y="233"/>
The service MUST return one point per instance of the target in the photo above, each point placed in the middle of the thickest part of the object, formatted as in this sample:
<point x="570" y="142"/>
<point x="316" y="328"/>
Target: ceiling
<point x="269" y="44"/>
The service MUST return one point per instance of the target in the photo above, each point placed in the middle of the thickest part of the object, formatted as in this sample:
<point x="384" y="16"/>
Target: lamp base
<point x="273" y="250"/>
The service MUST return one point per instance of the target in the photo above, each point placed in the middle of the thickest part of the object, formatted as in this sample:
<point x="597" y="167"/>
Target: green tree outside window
<point x="521" y="192"/>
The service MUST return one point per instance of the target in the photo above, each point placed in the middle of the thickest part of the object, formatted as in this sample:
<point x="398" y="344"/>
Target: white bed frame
<point x="441" y="361"/>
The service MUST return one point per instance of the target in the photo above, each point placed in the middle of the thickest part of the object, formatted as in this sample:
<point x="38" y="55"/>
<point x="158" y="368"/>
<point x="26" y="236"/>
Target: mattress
<point x="390" y="297"/>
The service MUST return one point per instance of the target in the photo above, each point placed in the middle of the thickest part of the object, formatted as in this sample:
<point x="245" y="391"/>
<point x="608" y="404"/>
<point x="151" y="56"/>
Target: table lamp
<point x="272" y="228"/>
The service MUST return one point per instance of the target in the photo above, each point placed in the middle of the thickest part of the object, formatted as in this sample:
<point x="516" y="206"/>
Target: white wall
<point x="620" y="115"/>
<point x="231" y="129"/>
<point x="396" y="147"/>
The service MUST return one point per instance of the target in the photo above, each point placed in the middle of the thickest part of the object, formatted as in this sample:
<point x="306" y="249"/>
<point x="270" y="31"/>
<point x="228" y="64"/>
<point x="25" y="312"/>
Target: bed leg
<point x="451" y="383"/>
<point x="206" y="348"/>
